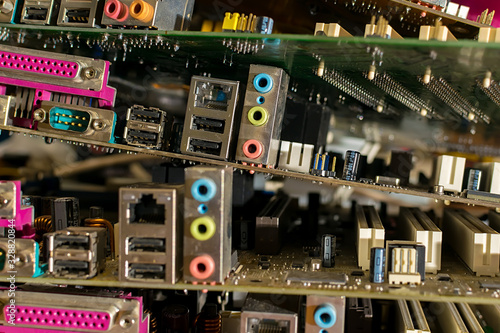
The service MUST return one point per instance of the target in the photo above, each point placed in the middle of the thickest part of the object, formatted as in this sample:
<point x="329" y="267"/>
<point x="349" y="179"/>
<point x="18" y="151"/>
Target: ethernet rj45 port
<point x="146" y="244"/>
<point x="147" y="211"/>
<point x="146" y="271"/>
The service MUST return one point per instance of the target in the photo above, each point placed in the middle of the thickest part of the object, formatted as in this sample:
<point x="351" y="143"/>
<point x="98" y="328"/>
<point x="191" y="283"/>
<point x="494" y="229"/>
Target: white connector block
<point x="416" y="226"/>
<point x="450" y="172"/>
<point x="463" y="12"/>
<point x="476" y="243"/>
<point x="452" y="8"/>
<point x="295" y="156"/>
<point x="404" y="267"/>
<point x="371" y="233"/>
<point x="491" y="179"/>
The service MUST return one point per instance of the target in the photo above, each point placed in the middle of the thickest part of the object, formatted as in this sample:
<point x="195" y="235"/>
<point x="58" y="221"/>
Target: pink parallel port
<point x="22" y="62"/>
<point x="61" y="318"/>
<point x="106" y="95"/>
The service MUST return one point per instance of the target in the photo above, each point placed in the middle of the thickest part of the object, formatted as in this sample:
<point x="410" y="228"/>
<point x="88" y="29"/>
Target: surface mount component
<point x="212" y="118"/>
<point x="416" y="226"/>
<point x="163" y="15"/>
<point x="325" y="314"/>
<point x="477" y="244"/>
<point x="263" y="112"/>
<point x="370" y="233"/>
<point x="54" y="312"/>
<point x="76" y="121"/>
<point x="151" y="233"/>
<point x="21" y="256"/>
<point x="207" y="223"/>
<point x="76" y="252"/>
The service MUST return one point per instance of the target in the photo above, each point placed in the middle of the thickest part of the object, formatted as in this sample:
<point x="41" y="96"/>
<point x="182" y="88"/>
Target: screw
<point x="39" y="115"/>
<point x="89" y="73"/>
<point x="127" y="322"/>
<point x="98" y="125"/>
<point x="3" y="202"/>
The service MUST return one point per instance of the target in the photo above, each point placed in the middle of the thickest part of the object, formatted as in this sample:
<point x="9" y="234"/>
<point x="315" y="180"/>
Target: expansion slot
<point x="370" y="233"/>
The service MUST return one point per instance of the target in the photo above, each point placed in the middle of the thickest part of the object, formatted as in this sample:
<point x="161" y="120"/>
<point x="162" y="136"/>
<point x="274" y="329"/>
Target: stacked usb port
<point x="77" y="252"/>
<point x="211" y="117"/>
<point x="151" y="233"/>
<point x="147" y="127"/>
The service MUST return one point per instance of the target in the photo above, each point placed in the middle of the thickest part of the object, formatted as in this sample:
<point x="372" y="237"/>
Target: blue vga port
<point x="76" y="121"/>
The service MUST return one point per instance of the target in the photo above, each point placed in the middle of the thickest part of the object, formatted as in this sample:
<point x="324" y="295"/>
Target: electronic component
<point x="370" y="233"/>
<point x="489" y="35"/>
<point x="151" y="232"/>
<point x="207" y="223"/>
<point x="328" y="248"/>
<point x="479" y="245"/>
<point x="65" y="213"/>
<point x="8" y="9"/>
<point x="491" y="179"/>
<point x="405" y="262"/>
<point x="76" y="252"/>
<point x="381" y="29"/>
<point x="436" y="32"/>
<point x="377" y="264"/>
<point x="325" y="314"/>
<point x="359" y="316"/>
<point x="416" y="226"/>
<point x="323" y="165"/>
<point x="271" y="223"/>
<point x="54" y="312"/>
<point x="494" y="219"/>
<point x="39" y="11"/>
<point x="163" y="15"/>
<point x="330" y="30"/>
<point x="80" y="13"/>
<point x="21" y="256"/>
<point x="295" y="156"/>
<point x="400" y="166"/>
<point x="351" y="164"/>
<point x="472" y="179"/>
<point x="387" y="181"/>
<point x="262" y="117"/>
<point x="236" y="22"/>
<point x="261" y="313"/>
<point x="148" y="127"/>
<point x="175" y="318"/>
<point x="80" y="121"/>
<point x="212" y="118"/>
<point x="12" y="213"/>
<point x="449" y="172"/>
<point x="410" y="317"/>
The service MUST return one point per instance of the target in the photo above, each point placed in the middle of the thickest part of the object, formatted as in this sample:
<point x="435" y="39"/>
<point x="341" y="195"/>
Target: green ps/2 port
<point x="203" y="228"/>
<point x="69" y="120"/>
<point x="258" y="116"/>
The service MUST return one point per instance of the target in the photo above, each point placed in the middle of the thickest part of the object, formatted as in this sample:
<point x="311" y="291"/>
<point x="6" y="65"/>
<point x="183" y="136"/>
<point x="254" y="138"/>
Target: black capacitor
<point x="328" y="245"/>
<point x="175" y="319"/>
<point x="351" y="163"/>
<point x="472" y="179"/>
<point x="66" y="213"/>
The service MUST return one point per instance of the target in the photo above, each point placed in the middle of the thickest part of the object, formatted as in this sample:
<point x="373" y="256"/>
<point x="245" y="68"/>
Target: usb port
<point x="77" y="15"/>
<point x="208" y="124"/>
<point x="72" y="268"/>
<point x="146" y="271"/>
<point x="71" y="242"/>
<point x="205" y="147"/>
<point x="35" y="14"/>
<point x="150" y="115"/>
<point x="140" y="244"/>
<point x="142" y="139"/>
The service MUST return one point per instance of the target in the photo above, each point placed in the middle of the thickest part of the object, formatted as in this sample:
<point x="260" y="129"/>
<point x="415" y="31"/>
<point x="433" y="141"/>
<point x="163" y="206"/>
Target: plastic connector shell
<point x="295" y="156"/>
<point x="370" y="233"/>
<point x="325" y="314"/>
<point x="449" y="172"/>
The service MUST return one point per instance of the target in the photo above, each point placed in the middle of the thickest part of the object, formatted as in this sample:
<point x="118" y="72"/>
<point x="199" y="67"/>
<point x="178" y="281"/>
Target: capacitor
<point x="377" y="264"/>
<point x="351" y="163"/>
<point x="472" y="179"/>
<point x="328" y="245"/>
<point x="175" y="318"/>
<point x="263" y="25"/>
